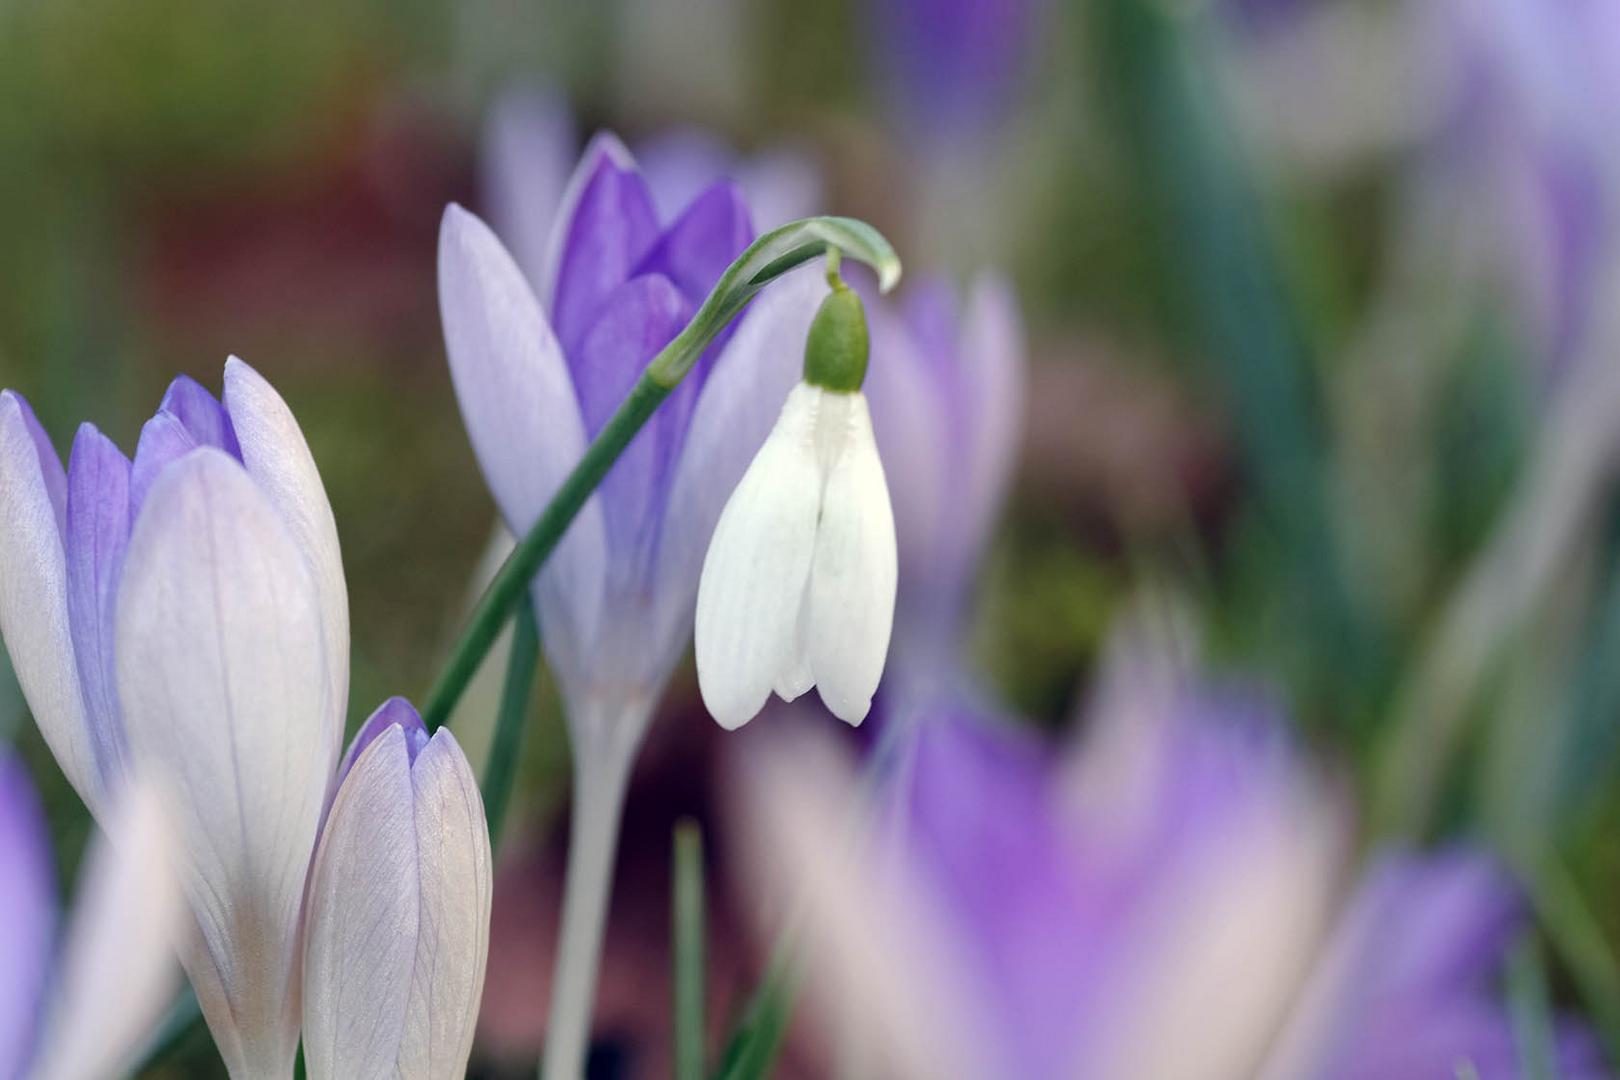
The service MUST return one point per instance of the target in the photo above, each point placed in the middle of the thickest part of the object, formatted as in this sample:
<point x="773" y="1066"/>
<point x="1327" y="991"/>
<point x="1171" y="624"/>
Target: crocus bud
<point x="399" y="902"/>
<point x="798" y="586"/>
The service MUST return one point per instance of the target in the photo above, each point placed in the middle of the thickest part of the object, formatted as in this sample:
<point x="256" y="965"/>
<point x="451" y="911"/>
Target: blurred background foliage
<point x="1236" y="394"/>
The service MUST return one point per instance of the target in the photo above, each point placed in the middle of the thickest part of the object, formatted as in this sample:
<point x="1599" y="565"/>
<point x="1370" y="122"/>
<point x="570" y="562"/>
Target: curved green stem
<point x="501" y="769"/>
<point x="768" y="258"/>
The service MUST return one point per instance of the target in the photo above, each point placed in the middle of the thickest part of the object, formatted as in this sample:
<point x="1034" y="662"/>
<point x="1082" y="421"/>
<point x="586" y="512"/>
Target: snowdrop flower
<point x="947" y="397"/>
<point x="64" y="539"/>
<point x="1010" y="914"/>
<point x="799" y="582"/>
<point x="399" y="904"/>
<point x="538" y="372"/>
<point x="83" y="1010"/>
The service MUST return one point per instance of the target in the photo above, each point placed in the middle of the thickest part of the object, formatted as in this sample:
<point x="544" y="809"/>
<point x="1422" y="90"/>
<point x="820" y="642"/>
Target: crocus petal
<point x="519" y="407"/>
<point x="603" y="147"/>
<point x="452" y="946"/>
<point x="754" y="575"/>
<point x="851" y="598"/>
<point x="222" y="676"/>
<point x="33" y="593"/>
<point x="726" y="431"/>
<point x="781" y="184"/>
<point x="118" y="973"/>
<point x="993" y="382"/>
<point x="609" y="232"/>
<point x="363" y="919"/>
<point x="164" y="440"/>
<point x="98" y="525"/>
<point x="399" y="916"/>
<point x="201" y="414"/>
<point x="395" y="712"/>
<point x="27" y="915"/>
<point x="278" y="459"/>
<point x="528" y="154"/>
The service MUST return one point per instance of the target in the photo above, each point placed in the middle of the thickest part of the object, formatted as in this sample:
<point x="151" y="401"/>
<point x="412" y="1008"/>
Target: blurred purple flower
<point x="952" y="67"/>
<point x="64" y="535"/>
<point x="405" y="848"/>
<point x="82" y="1006"/>
<point x="537" y="374"/>
<point x="946" y="386"/>
<point x="1039" y="919"/>
<point x="1525" y="93"/>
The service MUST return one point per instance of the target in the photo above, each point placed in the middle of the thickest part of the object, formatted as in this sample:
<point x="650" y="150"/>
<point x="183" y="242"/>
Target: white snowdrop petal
<point x="796" y="677"/>
<point x="851" y="598"/>
<point x="360" y="936"/>
<point x="754" y="574"/>
<point x="222" y="677"/>
<point x="118" y="972"/>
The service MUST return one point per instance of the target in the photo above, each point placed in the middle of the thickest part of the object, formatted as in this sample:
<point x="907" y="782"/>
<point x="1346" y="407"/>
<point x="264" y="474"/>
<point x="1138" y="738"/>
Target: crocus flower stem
<point x="598" y="805"/>
<point x="768" y="258"/>
<point x="501" y="768"/>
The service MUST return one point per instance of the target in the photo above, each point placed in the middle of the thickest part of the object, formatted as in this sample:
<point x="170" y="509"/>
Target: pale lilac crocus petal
<point x="609" y="232"/>
<point x="224" y="684"/>
<point x="730" y="421"/>
<point x="518" y="404"/>
<point x="396" y="711"/>
<point x="277" y="457"/>
<point x="993" y="378"/>
<point x="163" y="441"/>
<point x="34" y="593"/>
<point x="27" y="916"/>
<point x="452" y="947"/>
<point x="781" y="184"/>
<point x="399" y="916"/>
<point x="117" y="974"/>
<point x="528" y="153"/>
<point x="98" y="524"/>
<point x="363" y="919"/>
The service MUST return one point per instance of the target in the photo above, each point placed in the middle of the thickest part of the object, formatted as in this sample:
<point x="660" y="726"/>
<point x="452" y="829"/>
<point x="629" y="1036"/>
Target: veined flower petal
<point x="27" y="915"/>
<point x="520" y="411"/>
<point x="117" y="973"/>
<point x="726" y="431"/>
<point x="360" y="940"/>
<point x="98" y="523"/>
<point x="754" y="575"/>
<point x="223" y="681"/>
<point x="277" y="457"/>
<point x="33" y="593"/>
<point x="852" y="584"/>
<point x="457" y="890"/>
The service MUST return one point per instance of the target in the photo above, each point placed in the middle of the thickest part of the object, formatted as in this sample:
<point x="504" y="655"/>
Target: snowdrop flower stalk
<point x="182" y="617"/>
<point x="798" y="585"/>
<point x="556" y="390"/>
<point x="81" y="1011"/>
<point x="399" y="904"/>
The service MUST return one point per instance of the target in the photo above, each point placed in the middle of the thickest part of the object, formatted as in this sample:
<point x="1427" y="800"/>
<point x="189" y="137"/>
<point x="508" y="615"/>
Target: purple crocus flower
<point x="182" y="617"/>
<point x="1525" y="90"/>
<point x="952" y="66"/>
<point x="540" y="363"/>
<point x="946" y="386"/>
<point x="64" y="537"/>
<point x="405" y="848"/>
<point x="1016" y="915"/>
<point x="83" y="1010"/>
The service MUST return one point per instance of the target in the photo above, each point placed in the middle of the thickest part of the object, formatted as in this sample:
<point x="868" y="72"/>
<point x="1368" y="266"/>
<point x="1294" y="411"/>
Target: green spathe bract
<point x="836" y="349"/>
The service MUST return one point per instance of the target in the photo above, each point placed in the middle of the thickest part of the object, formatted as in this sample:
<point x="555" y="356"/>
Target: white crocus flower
<point x="798" y="585"/>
